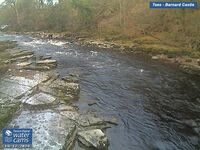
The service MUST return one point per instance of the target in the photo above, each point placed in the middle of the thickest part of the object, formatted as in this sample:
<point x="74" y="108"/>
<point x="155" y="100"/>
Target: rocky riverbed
<point x="33" y="95"/>
<point x="186" y="63"/>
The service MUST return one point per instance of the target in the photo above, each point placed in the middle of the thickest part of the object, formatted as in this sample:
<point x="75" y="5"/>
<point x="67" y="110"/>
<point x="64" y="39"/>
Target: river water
<point x="157" y="105"/>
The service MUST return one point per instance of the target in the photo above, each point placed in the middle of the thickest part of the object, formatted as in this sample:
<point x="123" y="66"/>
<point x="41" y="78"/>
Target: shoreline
<point x="185" y="62"/>
<point x="31" y="89"/>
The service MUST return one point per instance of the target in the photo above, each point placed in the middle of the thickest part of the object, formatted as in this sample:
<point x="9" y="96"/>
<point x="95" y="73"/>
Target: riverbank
<point x="137" y="91"/>
<point x="187" y="60"/>
<point x="33" y="95"/>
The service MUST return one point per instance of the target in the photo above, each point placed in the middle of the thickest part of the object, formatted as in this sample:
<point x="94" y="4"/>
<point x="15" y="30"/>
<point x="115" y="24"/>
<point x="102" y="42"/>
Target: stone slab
<point x="51" y="131"/>
<point x="41" y="99"/>
<point x="13" y="89"/>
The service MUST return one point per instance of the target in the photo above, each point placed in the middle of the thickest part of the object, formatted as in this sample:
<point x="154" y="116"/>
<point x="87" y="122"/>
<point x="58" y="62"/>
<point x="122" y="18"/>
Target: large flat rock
<point x="22" y="81"/>
<point x="12" y="89"/>
<point x="41" y="99"/>
<point x="51" y="131"/>
<point x="16" y="86"/>
<point x="28" y="81"/>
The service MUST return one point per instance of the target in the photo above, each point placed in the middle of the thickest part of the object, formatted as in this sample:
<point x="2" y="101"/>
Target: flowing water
<point x="157" y="105"/>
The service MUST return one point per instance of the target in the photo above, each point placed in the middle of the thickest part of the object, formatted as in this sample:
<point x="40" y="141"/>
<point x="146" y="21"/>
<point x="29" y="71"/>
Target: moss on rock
<point x="6" y="113"/>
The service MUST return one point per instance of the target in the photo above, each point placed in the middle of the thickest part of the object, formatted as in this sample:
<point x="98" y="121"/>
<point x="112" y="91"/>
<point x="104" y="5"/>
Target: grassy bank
<point x="144" y="43"/>
<point x="4" y="55"/>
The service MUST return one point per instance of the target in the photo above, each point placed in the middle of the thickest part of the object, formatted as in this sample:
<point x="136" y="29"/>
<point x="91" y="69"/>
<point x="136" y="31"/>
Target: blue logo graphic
<point x="173" y="5"/>
<point x="20" y="138"/>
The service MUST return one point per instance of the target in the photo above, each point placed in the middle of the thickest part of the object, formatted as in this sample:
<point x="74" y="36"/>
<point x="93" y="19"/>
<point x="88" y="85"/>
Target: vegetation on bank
<point x="4" y="55"/>
<point x="6" y="109"/>
<point x="146" y="44"/>
<point x="128" y="22"/>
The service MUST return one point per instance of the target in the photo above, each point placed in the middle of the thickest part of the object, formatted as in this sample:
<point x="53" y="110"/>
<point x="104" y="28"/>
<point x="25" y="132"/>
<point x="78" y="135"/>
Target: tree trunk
<point x="17" y="15"/>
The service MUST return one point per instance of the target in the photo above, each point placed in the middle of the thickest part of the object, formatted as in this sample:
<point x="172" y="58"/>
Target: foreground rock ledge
<point x="40" y="100"/>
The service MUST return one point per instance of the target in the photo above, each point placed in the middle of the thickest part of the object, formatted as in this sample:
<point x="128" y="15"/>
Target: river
<point x="156" y="104"/>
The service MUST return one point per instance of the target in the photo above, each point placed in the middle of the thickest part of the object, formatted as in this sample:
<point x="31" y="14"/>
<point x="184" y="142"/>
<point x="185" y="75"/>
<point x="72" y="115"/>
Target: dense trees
<point x="122" y="17"/>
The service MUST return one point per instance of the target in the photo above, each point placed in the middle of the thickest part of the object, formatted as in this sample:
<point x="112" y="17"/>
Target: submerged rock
<point x="71" y="78"/>
<point x="93" y="138"/>
<point x="90" y="120"/>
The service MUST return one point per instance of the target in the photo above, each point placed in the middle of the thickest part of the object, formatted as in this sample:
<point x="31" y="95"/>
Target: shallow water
<point x="157" y="105"/>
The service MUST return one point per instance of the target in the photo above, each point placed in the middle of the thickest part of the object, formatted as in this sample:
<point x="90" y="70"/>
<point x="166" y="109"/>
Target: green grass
<point x="150" y="44"/>
<point x="7" y="45"/>
<point x="5" y="55"/>
<point x="6" y="113"/>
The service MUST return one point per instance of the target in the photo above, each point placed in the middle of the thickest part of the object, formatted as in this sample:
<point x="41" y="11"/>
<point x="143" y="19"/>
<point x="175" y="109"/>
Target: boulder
<point x="93" y="138"/>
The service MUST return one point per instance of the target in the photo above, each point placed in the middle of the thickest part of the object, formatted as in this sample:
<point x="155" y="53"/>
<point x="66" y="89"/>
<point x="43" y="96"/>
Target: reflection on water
<point x="157" y="105"/>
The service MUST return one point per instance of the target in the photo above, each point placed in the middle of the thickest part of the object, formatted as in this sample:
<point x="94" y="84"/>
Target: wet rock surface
<point x="37" y="99"/>
<point x="41" y="99"/>
<point x="93" y="138"/>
